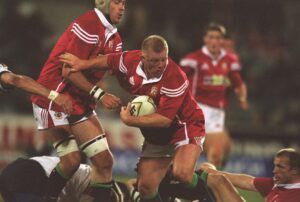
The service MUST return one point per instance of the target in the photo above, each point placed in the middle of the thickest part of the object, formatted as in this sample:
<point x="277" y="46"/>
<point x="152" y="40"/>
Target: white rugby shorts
<point x="45" y="118"/>
<point x="214" y="118"/>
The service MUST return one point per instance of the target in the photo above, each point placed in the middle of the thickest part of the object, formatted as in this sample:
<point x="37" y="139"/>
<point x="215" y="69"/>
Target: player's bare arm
<point x="78" y="64"/>
<point x="241" y="93"/>
<point x="151" y="120"/>
<point x="29" y="85"/>
<point x="78" y="79"/>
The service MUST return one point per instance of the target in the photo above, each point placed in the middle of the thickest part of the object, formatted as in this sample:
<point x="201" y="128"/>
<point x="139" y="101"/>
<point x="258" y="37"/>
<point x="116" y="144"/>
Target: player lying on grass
<point x="283" y="187"/>
<point x="8" y="80"/>
<point x="24" y="180"/>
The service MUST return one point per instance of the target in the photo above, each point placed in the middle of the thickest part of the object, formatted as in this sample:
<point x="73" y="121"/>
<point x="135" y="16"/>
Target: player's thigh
<point x="87" y="129"/>
<point x="92" y="141"/>
<point x="56" y="133"/>
<point x="151" y="171"/>
<point x="184" y="161"/>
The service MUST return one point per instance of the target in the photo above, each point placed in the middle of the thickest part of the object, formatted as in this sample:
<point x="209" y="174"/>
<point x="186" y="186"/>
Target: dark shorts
<point x="24" y="176"/>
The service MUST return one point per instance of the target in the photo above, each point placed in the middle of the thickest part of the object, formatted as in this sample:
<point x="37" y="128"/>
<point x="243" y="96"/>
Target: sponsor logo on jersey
<point x="215" y="80"/>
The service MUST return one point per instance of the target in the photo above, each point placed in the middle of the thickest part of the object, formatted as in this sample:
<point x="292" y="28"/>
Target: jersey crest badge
<point x="153" y="91"/>
<point x="58" y="115"/>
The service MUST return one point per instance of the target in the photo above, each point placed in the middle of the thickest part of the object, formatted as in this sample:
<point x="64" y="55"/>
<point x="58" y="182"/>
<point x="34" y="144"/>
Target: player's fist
<point x="110" y="101"/>
<point x="64" y="102"/>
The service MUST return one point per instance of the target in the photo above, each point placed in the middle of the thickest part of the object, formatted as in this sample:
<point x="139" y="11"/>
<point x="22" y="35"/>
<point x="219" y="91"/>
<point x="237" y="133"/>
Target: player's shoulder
<point x="232" y="57"/>
<point x="132" y="56"/>
<point x="88" y="23"/>
<point x="173" y="75"/>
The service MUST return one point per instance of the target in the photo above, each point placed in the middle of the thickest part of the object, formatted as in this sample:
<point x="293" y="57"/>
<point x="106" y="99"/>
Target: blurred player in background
<point x="91" y="34"/>
<point x="175" y="132"/>
<point x="212" y="71"/>
<point x="283" y="187"/>
<point x="31" y="187"/>
<point x="8" y="80"/>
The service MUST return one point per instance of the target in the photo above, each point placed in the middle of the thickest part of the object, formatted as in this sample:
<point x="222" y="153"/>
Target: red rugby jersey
<point x="210" y="78"/>
<point x="88" y="36"/>
<point x="169" y="92"/>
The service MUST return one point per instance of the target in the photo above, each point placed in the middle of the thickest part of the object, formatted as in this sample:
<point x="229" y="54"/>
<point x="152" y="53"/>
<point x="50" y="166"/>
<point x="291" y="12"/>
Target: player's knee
<point x="66" y="146"/>
<point x="71" y="161"/>
<point x="103" y="161"/>
<point x="95" y="146"/>
<point x="145" y="189"/>
<point x="183" y="175"/>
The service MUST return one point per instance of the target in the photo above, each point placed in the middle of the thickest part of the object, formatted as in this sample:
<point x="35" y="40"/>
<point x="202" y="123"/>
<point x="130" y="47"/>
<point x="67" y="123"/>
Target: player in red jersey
<point x="175" y="132"/>
<point x="91" y="34"/>
<point x="283" y="187"/>
<point x="8" y="80"/>
<point x="212" y="71"/>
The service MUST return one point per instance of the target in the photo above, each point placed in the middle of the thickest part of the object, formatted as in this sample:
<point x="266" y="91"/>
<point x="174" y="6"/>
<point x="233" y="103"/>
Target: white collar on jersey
<point x="289" y="186"/>
<point x="140" y="72"/>
<point x="110" y="29"/>
<point x="206" y="52"/>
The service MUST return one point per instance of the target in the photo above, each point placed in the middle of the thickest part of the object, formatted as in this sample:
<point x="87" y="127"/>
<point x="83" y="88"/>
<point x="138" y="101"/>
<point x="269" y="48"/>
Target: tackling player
<point x="283" y="187"/>
<point x="212" y="72"/>
<point x="8" y="80"/>
<point x="91" y="34"/>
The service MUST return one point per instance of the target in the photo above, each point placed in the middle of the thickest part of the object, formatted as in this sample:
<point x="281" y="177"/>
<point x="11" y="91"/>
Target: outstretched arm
<point x="78" y="79"/>
<point x="28" y="84"/>
<point x="77" y="64"/>
<point x="239" y="180"/>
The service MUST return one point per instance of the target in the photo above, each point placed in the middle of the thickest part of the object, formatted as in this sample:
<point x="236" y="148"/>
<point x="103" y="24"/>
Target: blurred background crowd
<point x="265" y="34"/>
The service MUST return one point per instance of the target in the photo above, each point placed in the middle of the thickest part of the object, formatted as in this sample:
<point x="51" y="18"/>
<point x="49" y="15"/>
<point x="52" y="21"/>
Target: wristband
<point x="97" y="93"/>
<point x="53" y="95"/>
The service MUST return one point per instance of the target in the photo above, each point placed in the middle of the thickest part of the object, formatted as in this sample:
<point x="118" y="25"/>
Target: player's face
<point x="282" y="171"/>
<point x="116" y="10"/>
<point x="154" y="63"/>
<point x="213" y="40"/>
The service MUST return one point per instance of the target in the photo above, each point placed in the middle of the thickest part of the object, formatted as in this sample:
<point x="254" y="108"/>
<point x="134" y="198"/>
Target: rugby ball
<point x="142" y="105"/>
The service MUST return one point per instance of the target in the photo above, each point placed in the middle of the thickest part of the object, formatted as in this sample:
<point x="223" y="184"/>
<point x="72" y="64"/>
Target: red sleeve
<point x="83" y="39"/>
<point x="235" y="68"/>
<point x="114" y="62"/>
<point x="235" y="78"/>
<point x="189" y="66"/>
<point x="263" y="185"/>
<point x="173" y="93"/>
